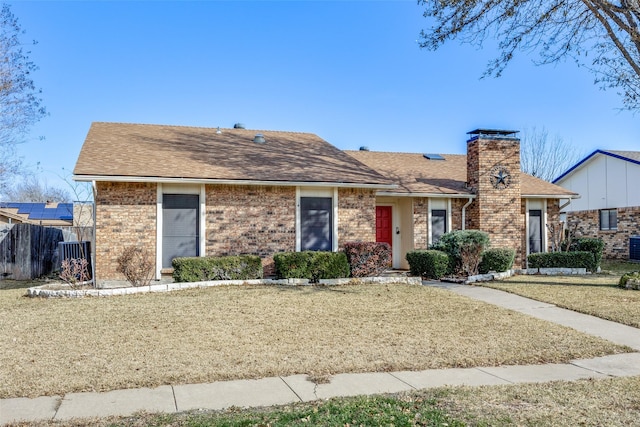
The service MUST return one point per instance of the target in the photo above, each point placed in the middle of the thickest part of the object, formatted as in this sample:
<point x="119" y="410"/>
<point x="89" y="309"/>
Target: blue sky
<point x="348" y="71"/>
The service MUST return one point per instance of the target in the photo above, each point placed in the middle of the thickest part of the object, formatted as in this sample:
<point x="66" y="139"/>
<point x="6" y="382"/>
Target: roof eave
<point x="427" y="195"/>
<point x="104" y="178"/>
<point x="551" y="196"/>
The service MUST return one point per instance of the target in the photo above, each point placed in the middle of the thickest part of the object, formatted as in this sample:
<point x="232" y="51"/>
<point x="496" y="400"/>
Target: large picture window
<point x="316" y="223"/>
<point x="180" y="227"/>
<point x="608" y="219"/>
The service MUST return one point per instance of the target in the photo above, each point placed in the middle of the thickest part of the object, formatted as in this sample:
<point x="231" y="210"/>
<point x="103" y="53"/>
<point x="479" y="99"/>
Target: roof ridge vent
<point x="259" y="138"/>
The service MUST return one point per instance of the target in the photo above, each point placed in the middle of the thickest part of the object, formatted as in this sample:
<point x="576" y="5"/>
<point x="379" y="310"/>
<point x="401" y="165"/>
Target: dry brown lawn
<point x="56" y="346"/>
<point x="595" y="294"/>
<point x="604" y="402"/>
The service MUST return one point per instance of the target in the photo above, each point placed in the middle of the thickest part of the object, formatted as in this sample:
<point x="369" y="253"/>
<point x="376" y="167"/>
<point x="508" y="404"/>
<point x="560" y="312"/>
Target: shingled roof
<point x="119" y="151"/>
<point x="416" y="174"/>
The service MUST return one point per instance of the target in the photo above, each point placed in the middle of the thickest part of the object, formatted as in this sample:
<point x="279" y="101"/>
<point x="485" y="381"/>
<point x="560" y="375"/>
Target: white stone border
<point x="168" y="287"/>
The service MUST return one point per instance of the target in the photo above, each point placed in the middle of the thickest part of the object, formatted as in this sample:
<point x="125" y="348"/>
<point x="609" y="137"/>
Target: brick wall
<point x="616" y="242"/>
<point x="250" y="220"/>
<point x="420" y="226"/>
<point x="125" y="216"/>
<point x="496" y="211"/>
<point x="356" y="215"/>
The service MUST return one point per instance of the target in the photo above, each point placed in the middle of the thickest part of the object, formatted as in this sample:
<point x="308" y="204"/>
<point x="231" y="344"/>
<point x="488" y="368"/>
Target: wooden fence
<point x="30" y="251"/>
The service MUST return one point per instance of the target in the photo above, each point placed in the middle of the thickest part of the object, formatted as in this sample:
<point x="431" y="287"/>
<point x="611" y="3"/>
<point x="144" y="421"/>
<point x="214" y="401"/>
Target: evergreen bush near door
<point x="431" y="264"/>
<point x="200" y="269"/>
<point x="368" y="259"/>
<point x="497" y="259"/>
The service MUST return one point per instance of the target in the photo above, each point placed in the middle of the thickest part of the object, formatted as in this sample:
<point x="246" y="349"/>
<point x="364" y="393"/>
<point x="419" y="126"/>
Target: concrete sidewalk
<point x="296" y="388"/>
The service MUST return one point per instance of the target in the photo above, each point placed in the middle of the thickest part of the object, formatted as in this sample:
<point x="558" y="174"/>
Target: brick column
<point x="493" y="172"/>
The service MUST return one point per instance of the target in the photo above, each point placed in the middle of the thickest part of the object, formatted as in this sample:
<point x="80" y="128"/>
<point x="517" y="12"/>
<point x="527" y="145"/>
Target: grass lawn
<point x="56" y="346"/>
<point x="595" y="294"/>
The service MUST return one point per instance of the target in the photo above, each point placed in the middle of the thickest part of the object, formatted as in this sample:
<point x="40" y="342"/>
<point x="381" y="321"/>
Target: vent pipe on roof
<point x="259" y="139"/>
<point x="218" y="131"/>
<point x="238" y="126"/>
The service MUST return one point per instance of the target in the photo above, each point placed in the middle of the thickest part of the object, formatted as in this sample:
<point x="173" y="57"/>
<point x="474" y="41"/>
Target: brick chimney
<point x="493" y="173"/>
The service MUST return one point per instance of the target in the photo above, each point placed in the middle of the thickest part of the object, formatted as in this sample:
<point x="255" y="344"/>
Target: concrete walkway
<point x="296" y="388"/>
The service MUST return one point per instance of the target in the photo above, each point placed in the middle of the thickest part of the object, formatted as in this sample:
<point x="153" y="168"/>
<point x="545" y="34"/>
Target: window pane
<point x="316" y="223"/>
<point x="604" y="220"/>
<point x="613" y="219"/>
<point x="535" y="231"/>
<point x="179" y="227"/>
<point x="438" y="224"/>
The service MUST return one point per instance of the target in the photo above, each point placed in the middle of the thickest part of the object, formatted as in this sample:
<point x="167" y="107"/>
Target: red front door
<point x="384" y="227"/>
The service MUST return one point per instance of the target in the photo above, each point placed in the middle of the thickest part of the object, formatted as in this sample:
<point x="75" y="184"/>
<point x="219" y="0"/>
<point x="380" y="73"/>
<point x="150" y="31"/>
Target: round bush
<point x="497" y="259"/>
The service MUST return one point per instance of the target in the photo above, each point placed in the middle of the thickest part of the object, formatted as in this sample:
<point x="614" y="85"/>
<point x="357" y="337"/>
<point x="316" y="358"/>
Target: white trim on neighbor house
<point x="167" y="188"/>
<point x="120" y="178"/>
<point x="318" y="192"/>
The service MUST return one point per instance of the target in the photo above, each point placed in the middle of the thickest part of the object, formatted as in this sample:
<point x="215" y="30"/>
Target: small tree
<point x="464" y="248"/>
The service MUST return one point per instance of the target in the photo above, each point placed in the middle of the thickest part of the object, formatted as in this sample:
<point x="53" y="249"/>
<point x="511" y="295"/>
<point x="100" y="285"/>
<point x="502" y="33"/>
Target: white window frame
<point x="318" y="192"/>
<point x="536" y="204"/>
<point x="437" y="203"/>
<point x="161" y="189"/>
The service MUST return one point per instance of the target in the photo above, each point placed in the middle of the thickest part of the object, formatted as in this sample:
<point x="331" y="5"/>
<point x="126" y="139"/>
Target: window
<point x="535" y="231"/>
<point x="316" y="223"/>
<point x="609" y="219"/>
<point x="438" y="224"/>
<point x="180" y="227"/>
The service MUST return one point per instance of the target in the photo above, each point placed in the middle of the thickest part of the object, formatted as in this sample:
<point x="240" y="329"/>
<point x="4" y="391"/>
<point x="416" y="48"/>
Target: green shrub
<point x="593" y="245"/>
<point x="198" y="269"/>
<point x="576" y="259"/>
<point x="634" y="275"/>
<point x="312" y="265"/>
<point x="497" y="259"/>
<point x="368" y="258"/>
<point x="432" y="264"/>
<point x="464" y="248"/>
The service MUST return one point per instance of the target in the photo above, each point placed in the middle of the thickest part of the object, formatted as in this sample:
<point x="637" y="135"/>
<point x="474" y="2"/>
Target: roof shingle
<point x="156" y="151"/>
<point x="416" y="174"/>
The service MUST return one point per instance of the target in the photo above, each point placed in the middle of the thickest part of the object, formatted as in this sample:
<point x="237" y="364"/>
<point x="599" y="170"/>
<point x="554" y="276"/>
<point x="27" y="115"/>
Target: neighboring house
<point x="609" y="203"/>
<point x="45" y="214"/>
<point x="187" y="191"/>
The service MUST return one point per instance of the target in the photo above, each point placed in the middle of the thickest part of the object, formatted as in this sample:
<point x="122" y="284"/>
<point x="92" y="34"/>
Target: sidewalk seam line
<point x="291" y="388"/>
<point x="402" y="381"/>
<point x="495" y="376"/>
<point x="55" y="414"/>
<point x="175" y="401"/>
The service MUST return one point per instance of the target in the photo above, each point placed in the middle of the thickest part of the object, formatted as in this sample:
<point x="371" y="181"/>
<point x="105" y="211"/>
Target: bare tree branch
<point x="601" y="35"/>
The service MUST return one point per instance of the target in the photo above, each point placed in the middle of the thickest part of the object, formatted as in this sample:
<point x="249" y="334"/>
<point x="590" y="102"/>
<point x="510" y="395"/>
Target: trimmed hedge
<point x="497" y="259"/>
<point x="368" y="259"/>
<point x="576" y="259"/>
<point x="312" y="265"/>
<point x="593" y="245"/>
<point x="432" y="264"/>
<point x="199" y="269"/>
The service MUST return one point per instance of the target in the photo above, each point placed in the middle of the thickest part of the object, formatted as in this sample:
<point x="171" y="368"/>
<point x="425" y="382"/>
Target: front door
<point x="384" y="225"/>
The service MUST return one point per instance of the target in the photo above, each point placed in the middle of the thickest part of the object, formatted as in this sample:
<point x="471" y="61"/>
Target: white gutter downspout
<point x="94" y="188"/>
<point x="565" y="205"/>
<point x="464" y="211"/>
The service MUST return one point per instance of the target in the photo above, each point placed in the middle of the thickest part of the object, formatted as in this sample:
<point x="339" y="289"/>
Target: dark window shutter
<point x="316" y="223"/>
<point x="180" y="227"/>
